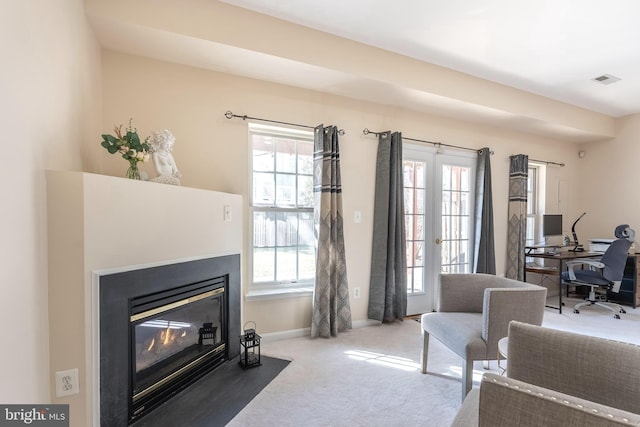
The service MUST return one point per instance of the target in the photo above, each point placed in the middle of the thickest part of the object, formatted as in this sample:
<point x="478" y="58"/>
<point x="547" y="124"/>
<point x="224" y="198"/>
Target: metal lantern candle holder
<point x="249" y="347"/>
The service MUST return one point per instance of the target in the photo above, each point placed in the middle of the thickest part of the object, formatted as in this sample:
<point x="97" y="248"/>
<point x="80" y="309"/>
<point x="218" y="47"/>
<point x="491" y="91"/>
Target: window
<point x="283" y="248"/>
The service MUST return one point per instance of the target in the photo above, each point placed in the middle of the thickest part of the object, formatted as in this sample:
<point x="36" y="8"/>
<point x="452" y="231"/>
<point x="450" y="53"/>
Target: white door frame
<point x="426" y="301"/>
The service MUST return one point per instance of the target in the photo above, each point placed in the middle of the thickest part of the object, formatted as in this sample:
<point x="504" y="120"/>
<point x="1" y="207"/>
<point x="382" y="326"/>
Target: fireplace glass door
<point x="172" y="336"/>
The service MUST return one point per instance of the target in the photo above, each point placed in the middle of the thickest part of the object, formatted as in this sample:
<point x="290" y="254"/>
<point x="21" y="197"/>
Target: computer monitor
<point x="551" y="225"/>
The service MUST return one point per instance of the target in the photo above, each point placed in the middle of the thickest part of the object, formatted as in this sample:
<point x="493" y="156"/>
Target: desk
<point x="561" y="258"/>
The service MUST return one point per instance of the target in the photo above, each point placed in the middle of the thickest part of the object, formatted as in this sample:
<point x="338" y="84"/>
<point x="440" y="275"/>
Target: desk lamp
<point x="578" y="247"/>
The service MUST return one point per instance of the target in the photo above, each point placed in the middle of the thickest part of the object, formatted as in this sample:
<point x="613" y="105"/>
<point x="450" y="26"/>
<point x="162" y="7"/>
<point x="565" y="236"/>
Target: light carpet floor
<point x="370" y="376"/>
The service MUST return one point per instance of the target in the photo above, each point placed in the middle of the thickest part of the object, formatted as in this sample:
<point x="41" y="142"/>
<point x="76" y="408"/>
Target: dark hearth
<point x="161" y="329"/>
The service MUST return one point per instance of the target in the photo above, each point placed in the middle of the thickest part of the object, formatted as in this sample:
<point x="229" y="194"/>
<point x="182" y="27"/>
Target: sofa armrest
<point x="508" y="402"/>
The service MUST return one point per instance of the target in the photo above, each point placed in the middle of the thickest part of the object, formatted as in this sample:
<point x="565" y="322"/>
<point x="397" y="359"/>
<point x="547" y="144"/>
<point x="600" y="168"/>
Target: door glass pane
<point x="408" y="200"/>
<point x="456" y="208"/>
<point x="413" y="173"/>
<point x="418" y="279"/>
<point x="408" y="175"/>
<point x="446" y="177"/>
<point x="464" y="180"/>
<point x="419" y="227"/>
<point x="419" y="174"/>
<point x="419" y="201"/>
<point x="418" y="253"/>
<point x="408" y="227"/>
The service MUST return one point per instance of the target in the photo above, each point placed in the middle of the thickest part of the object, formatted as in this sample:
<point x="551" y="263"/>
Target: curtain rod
<point x="229" y="115"/>
<point x="547" y="162"/>
<point x="437" y="144"/>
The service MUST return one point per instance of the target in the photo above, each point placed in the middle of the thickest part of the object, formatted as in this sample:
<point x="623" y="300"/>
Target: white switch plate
<point x="356" y="292"/>
<point x="67" y="382"/>
<point x="357" y="217"/>
<point x="227" y="213"/>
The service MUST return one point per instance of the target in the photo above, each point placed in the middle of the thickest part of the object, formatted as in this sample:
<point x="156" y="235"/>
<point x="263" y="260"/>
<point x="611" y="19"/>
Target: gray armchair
<point x="474" y="312"/>
<point x="558" y="379"/>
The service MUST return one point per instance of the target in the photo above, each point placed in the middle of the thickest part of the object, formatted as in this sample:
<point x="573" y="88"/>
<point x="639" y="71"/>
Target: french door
<point x="438" y="199"/>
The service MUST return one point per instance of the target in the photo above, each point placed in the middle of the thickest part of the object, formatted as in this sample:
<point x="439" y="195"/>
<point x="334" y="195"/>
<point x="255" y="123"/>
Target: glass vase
<point x="133" y="172"/>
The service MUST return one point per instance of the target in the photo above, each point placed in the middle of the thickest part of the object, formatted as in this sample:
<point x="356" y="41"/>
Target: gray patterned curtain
<point x="517" y="227"/>
<point x="331" y="310"/>
<point x="388" y="288"/>
<point x="484" y="251"/>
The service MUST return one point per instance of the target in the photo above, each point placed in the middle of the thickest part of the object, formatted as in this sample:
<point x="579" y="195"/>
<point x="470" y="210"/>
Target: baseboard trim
<point x="305" y="332"/>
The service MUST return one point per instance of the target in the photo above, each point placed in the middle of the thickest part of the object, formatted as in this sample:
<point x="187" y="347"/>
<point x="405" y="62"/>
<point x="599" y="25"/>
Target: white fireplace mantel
<point x="99" y="223"/>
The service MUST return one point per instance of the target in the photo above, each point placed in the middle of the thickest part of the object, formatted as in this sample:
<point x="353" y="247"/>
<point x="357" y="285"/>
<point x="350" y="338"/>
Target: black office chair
<point x="604" y="273"/>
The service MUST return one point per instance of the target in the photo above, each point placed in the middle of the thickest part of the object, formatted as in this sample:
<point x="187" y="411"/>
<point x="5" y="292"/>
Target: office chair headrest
<point x="626" y="232"/>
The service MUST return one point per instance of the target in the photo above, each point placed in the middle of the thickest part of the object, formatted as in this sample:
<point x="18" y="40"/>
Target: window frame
<point x="278" y="287"/>
<point x="533" y="204"/>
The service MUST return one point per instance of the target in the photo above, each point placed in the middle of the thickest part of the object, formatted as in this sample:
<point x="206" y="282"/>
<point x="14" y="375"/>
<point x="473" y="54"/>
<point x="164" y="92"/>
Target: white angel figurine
<point x="160" y="146"/>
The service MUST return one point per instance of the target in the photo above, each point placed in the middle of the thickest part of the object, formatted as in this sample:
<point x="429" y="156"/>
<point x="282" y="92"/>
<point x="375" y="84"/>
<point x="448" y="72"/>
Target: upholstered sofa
<point x="474" y="311"/>
<point x="556" y="378"/>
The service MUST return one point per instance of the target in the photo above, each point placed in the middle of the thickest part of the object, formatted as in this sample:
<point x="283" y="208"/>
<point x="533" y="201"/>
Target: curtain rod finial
<point x="228" y="115"/>
<point x="365" y="131"/>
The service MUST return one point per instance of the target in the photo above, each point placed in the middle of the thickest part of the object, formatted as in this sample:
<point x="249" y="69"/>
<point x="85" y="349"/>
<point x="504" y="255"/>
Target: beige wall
<point x="50" y="106"/>
<point x="608" y="188"/>
<point x="212" y="152"/>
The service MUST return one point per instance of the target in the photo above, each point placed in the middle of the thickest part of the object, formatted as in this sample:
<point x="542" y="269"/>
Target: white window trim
<point x="269" y="294"/>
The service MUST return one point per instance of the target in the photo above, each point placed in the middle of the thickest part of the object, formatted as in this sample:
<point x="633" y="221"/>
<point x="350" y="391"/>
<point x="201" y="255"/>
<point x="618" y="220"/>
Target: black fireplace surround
<point x="121" y="293"/>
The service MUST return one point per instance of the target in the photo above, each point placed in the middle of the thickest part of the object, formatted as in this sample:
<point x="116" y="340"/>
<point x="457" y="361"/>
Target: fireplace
<point x="161" y="329"/>
<point x="175" y="336"/>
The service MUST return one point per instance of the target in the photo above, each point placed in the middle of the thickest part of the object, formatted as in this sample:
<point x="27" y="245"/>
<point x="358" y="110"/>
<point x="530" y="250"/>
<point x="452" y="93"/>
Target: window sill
<point x="278" y="294"/>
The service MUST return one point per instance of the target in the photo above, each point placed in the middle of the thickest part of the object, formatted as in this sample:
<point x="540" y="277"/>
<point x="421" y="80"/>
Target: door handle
<point x="438" y="241"/>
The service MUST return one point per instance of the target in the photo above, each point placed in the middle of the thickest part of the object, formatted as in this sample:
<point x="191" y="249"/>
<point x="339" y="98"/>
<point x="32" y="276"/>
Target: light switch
<point x="357" y="217"/>
<point x="227" y="213"/>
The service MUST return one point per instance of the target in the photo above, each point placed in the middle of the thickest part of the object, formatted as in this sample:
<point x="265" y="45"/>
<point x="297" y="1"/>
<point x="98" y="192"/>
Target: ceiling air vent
<point x="606" y="79"/>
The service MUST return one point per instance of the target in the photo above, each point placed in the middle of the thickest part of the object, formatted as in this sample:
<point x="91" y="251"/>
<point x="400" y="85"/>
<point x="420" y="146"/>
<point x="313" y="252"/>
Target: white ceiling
<point x="552" y="48"/>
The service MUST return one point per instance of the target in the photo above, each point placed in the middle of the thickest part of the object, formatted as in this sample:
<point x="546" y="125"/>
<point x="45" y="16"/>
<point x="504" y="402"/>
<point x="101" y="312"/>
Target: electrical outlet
<point x="67" y="382"/>
<point x="356" y="292"/>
